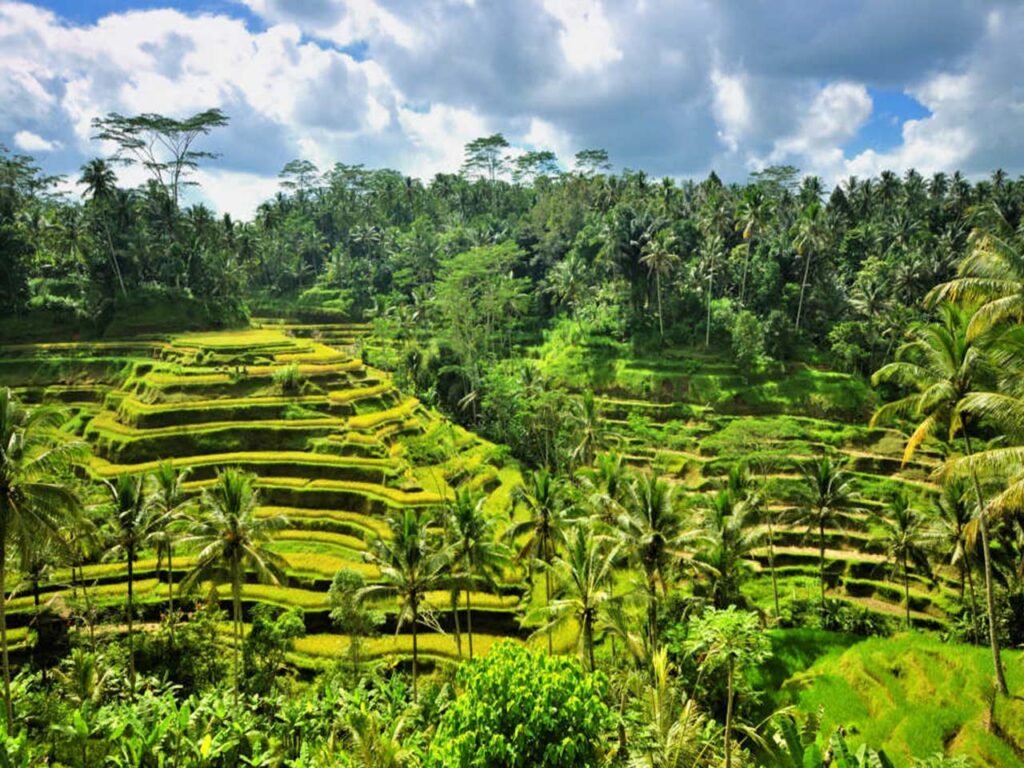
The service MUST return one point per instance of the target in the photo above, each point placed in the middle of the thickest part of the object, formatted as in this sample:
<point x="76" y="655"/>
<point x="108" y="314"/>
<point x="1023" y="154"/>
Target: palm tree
<point x="830" y="500"/>
<point x="810" y="234"/>
<point x="903" y="538"/>
<point x="170" y="504"/>
<point x="952" y="520"/>
<point x="132" y="524"/>
<point x="659" y="256"/>
<point x="752" y="213"/>
<point x="411" y="563"/>
<point x="590" y="432"/>
<point x="586" y="569"/>
<point x="543" y="531"/>
<point x="711" y="249"/>
<point x="991" y="277"/>
<point x="675" y="727"/>
<point x="231" y="540"/>
<point x="944" y="365"/>
<point x="36" y="495"/>
<point x="653" y="534"/>
<point x="727" y="524"/>
<point x="474" y="547"/>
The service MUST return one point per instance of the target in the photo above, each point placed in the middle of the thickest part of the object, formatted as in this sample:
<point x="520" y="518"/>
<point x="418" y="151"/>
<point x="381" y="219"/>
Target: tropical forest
<point x="539" y="461"/>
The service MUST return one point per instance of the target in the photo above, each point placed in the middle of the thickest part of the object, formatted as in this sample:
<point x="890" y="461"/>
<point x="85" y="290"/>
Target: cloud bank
<point x="676" y="87"/>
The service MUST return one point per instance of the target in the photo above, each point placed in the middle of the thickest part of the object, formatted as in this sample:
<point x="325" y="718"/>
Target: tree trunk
<point x="588" y="641"/>
<point x="8" y="706"/>
<point x="821" y="564"/>
<point x="661" y="319"/>
<point x="746" y="266"/>
<point x="469" y="621"/>
<point x="990" y="602"/>
<point x="707" y="328"/>
<point x="974" y="602"/>
<point x="652" y="614"/>
<point x="547" y="600"/>
<point x="906" y="588"/>
<point x="728" y="715"/>
<point x="236" y="610"/>
<point x="455" y="614"/>
<point x="131" y="635"/>
<point x="803" y="287"/>
<point x="170" y="590"/>
<point x="771" y="567"/>
<point x="415" y="648"/>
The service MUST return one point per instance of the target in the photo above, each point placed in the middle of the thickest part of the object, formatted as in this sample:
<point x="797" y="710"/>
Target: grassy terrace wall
<point x="325" y="435"/>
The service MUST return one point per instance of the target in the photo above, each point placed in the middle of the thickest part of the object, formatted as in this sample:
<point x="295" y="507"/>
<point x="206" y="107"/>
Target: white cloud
<point x="236" y="193"/>
<point x="31" y="142"/>
<point x="731" y="107"/>
<point x="438" y="137"/>
<point x="587" y="38"/>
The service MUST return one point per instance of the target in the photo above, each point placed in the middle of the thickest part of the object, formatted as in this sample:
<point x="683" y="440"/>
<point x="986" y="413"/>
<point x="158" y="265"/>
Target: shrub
<point x="288" y="380"/>
<point x="520" y="708"/>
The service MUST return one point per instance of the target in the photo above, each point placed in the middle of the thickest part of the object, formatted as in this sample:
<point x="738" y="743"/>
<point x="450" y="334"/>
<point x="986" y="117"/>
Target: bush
<point x="518" y="708"/>
<point x="288" y="380"/>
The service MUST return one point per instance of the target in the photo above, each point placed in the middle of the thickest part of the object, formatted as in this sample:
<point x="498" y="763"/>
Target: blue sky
<point x="676" y="87"/>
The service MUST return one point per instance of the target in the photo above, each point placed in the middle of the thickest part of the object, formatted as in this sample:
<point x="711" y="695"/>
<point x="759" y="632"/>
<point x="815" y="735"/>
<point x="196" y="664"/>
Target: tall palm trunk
<point x="771" y="567"/>
<point x="236" y="612"/>
<point x="8" y="706"/>
<point x="661" y="319"/>
<point x="547" y="600"/>
<point x="906" y="588"/>
<point x="707" y="327"/>
<point x="990" y="602"/>
<point x="415" y="648"/>
<point x="652" y="613"/>
<point x="974" y="601"/>
<point x="131" y="635"/>
<point x="170" y="589"/>
<point x="746" y="266"/>
<point x="455" y="613"/>
<point x="469" y="621"/>
<point x="821" y="563"/>
<point x="803" y="287"/>
<point x="588" y="640"/>
<point x="728" y="713"/>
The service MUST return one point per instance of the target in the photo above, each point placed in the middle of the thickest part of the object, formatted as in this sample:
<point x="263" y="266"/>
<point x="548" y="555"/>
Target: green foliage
<point x="522" y="709"/>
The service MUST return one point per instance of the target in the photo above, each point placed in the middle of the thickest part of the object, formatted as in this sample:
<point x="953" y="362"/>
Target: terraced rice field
<point x="334" y="453"/>
<point x="693" y="415"/>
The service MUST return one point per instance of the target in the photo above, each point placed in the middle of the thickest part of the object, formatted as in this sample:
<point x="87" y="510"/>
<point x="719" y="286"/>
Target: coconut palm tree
<point x="230" y="540"/>
<point x="903" y="536"/>
<point x="660" y="256"/>
<point x="810" y="235"/>
<point x="474" y="548"/>
<point x="944" y="366"/>
<point x="654" y="537"/>
<point x="753" y="212"/>
<point x="727" y="522"/>
<point x="711" y="251"/>
<point x="585" y="570"/>
<point x="539" y="535"/>
<point x="590" y="432"/>
<point x="170" y="505"/>
<point x="412" y="562"/>
<point x="951" y="520"/>
<point x="991" y="277"/>
<point x="131" y="525"/>
<point x="829" y="500"/>
<point x="36" y="493"/>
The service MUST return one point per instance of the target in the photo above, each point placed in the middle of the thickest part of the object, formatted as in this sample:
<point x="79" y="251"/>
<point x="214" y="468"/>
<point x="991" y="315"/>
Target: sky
<point x="674" y="87"/>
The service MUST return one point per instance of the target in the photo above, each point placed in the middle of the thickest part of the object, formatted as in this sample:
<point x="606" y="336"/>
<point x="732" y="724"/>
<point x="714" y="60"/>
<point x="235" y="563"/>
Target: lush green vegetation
<point x="525" y="468"/>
